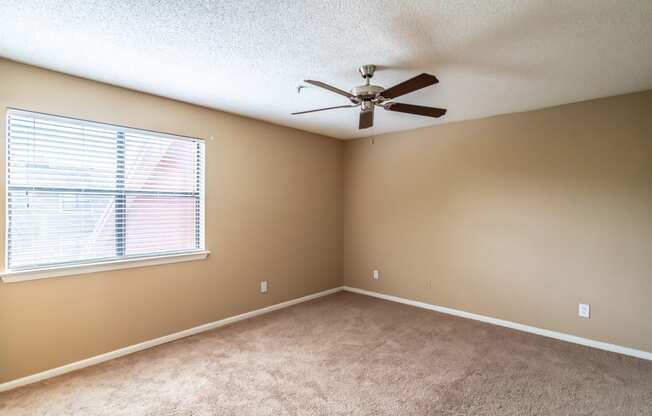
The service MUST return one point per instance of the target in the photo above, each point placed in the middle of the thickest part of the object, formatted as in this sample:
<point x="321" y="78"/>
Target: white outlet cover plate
<point x="263" y="286"/>
<point x="376" y="275"/>
<point x="584" y="310"/>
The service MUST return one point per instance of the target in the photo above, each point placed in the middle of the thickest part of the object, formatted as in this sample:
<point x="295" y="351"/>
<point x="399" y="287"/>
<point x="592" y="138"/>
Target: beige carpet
<point x="349" y="354"/>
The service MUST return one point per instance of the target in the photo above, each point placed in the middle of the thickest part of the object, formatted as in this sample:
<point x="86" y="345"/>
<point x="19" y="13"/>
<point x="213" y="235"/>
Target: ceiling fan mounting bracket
<point x="367" y="71"/>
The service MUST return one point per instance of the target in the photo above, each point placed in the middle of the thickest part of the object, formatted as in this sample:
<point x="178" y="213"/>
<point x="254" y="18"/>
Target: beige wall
<point x="273" y="211"/>
<point x="519" y="217"/>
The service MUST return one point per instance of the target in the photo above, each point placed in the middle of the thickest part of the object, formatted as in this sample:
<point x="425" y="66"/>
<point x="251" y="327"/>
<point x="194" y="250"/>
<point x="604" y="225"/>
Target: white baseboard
<point x="212" y="325"/>
<point x="508" y="324"/>
<point x="154" y="342"/>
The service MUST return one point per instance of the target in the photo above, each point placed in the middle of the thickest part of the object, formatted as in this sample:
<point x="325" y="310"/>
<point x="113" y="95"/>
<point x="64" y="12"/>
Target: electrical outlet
<point x="263" y="286"/>
<point x="429" y="284"/>
<point x="375" y="275"/>
<point x="584" y="310"/>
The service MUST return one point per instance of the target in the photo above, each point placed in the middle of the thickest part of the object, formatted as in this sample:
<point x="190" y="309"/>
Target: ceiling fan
<point x="369" y="96"/>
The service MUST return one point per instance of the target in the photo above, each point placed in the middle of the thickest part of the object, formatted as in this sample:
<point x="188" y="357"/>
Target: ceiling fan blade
<point x="330" y="88"/>
<point x="415" y="109"/>
<point x="366" y="119"/>
<point x="412" y="84"/>
<point x="322" y="109"/>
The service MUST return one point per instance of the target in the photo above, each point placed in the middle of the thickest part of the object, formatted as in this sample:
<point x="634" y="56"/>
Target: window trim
<point x="85" y="268"/>
<point x="93" y="266"/>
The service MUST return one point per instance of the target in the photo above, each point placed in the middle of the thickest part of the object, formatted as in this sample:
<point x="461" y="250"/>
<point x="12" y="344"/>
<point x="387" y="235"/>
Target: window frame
<point x="120" y="261"/>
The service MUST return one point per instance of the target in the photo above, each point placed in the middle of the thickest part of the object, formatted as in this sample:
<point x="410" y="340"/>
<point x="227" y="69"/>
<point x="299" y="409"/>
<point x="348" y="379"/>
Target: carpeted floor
<point x="348" y="354"/>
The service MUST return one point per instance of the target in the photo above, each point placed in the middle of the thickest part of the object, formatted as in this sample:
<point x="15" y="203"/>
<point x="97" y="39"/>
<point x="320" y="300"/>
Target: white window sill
<point x="24" y="275"/>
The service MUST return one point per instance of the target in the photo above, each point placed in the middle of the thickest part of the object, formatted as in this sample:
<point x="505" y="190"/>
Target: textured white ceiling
<point x="248" y="57"/>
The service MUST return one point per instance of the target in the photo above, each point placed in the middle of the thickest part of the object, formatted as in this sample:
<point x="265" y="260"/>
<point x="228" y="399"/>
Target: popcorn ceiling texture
<point x="248" y="57"/>
<point x="348" y="354"/>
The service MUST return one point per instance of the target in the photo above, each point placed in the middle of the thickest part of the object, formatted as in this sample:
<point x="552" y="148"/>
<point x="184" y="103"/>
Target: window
<point x="81" y="192"/>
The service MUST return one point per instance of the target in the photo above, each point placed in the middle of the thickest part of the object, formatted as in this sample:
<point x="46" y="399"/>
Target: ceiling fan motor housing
<point x="365" y="92"/>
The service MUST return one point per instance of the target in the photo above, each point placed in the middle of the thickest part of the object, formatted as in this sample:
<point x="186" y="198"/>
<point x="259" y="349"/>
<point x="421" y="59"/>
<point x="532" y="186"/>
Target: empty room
<point x="417" y="207"/>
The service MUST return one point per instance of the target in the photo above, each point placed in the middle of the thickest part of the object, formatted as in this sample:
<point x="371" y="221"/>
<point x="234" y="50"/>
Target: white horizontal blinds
<point x="163" y="212"/>
<point x="81" y="192"/>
